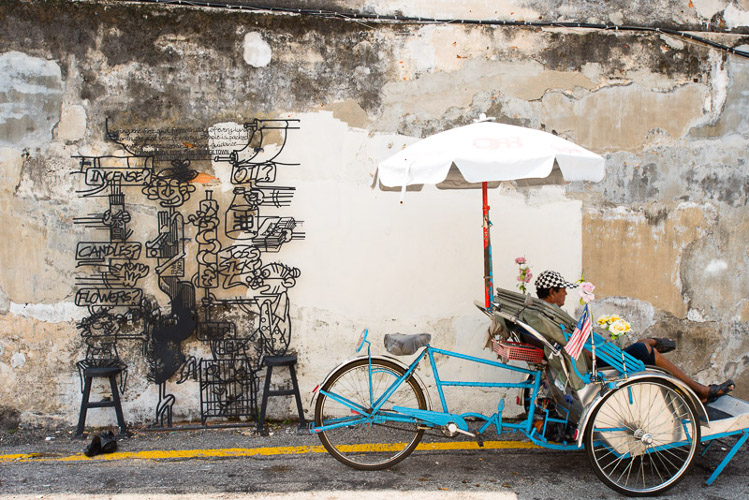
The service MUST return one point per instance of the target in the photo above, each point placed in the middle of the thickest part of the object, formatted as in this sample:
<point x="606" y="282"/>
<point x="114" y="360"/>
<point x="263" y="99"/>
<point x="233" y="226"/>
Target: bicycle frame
<point x="431" y="418"/>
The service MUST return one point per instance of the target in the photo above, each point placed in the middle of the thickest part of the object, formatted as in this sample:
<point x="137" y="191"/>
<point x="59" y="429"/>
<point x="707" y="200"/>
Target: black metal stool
<point x="270" y="362"/>
<point x="111" y="373"/>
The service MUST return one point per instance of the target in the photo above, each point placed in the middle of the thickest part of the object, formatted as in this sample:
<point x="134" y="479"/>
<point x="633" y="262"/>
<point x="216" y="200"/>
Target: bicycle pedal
<point x="452" y="430"/>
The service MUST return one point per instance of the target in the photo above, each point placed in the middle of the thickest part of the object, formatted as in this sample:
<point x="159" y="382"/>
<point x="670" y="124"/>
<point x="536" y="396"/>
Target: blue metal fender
<point x="650" y="373"/>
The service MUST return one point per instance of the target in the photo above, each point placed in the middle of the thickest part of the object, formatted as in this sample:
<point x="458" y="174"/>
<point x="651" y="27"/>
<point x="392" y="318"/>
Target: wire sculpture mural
<point x="226" y="297"/>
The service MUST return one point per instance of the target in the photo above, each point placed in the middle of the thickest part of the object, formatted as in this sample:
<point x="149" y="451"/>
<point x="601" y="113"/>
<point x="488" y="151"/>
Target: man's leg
<point x="661" y="361"/>
<point x="661" y="345"/>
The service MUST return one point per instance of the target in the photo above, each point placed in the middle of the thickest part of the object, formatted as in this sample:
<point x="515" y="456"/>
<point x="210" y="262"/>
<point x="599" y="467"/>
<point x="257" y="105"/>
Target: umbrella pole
<point x="488" y="274"/>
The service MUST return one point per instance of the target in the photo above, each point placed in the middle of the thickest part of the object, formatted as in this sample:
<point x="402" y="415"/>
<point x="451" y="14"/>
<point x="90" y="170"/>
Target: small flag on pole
<point x="582" y="331"/>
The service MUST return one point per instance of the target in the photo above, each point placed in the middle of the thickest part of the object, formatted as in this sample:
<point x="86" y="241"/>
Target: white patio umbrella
<point x="489" y="152"/>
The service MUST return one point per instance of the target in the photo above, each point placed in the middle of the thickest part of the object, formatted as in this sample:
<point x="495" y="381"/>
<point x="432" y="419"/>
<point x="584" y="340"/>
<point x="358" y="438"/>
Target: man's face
<point x="557" y="296"/>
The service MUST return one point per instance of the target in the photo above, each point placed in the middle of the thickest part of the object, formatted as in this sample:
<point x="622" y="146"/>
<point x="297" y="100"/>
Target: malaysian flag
<point x="582" y="331"/>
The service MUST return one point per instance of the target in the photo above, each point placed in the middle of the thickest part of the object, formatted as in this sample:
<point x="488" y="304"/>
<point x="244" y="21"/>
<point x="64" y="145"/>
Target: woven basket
<point x="518" y="352"/>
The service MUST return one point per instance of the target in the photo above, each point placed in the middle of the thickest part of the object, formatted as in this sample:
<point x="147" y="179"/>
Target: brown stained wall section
<point x="626" y="254"/>
<point x="687" y="261"/>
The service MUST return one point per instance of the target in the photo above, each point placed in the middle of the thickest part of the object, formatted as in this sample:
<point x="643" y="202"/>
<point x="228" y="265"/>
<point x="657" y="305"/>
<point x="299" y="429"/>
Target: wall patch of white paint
<point x="419" y="259"/>
<point x="18" y="360"/>
<point x="719" y="83"/>
<point x="257" y="52"/>
<point x="736" y="17"/>
<point x="696" y="316"/>
<point x="30" y="99"/>
<point x="716" y="266"/>
<point x="708" y="8"/>
<point x="50" y="313"/>
<point x="72" y="126"/>
<point x="421" y="52"/>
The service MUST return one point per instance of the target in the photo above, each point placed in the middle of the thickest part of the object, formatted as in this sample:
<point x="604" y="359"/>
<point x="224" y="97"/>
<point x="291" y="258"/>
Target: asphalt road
<point x="235" y="463"/>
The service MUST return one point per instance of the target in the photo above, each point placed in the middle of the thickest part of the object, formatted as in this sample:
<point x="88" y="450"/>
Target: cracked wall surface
<point x="662" y="236"/>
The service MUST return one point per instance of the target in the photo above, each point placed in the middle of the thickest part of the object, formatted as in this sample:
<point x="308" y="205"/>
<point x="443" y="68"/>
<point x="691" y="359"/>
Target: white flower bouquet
<point x="617" y="327"/>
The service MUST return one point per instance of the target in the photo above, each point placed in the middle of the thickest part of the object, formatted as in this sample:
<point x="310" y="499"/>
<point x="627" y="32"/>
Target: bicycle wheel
<point x="642" y="438"/>
<point x="368" y="446"/>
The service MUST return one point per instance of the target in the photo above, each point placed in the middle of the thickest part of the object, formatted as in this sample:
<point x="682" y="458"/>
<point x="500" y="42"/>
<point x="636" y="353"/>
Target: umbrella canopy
<point x="488" y="152"/>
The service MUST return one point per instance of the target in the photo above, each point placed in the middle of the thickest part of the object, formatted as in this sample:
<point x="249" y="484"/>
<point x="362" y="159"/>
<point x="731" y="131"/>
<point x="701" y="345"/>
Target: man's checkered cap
<point x="552" y="279"/>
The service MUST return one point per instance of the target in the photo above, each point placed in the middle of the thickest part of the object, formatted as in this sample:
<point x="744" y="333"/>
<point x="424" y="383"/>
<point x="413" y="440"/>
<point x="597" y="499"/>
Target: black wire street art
<point x="226" y="296"/>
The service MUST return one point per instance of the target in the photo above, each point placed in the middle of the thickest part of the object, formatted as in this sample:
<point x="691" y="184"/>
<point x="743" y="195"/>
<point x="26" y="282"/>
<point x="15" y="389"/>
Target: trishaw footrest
<point x="517" y="351"/>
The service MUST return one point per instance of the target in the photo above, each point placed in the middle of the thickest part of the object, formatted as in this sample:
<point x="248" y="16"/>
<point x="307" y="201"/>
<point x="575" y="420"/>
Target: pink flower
<point x="586" y="292"/>
<point x="528" y="277"/>
<point x="520" y="260"/>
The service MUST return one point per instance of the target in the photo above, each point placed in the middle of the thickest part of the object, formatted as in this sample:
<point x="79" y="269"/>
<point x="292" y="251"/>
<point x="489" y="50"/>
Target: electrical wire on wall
<point x="361" y="17"/>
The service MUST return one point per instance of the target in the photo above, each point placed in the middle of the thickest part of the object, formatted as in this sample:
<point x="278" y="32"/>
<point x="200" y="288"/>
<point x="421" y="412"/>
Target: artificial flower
<point x="586" y="292"/>
<point x="619" y="327"/>
<point x="615" y="325"/>
<point x="524" y="274"/>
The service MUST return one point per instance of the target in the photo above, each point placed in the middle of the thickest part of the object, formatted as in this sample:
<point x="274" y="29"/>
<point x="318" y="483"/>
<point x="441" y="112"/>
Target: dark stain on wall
<point x="644" y="183"/>
<point x="655" y="214"/>
<point x="722" y="183"/>
<point x="618" y="52"/>
<point x="139" y="35"/>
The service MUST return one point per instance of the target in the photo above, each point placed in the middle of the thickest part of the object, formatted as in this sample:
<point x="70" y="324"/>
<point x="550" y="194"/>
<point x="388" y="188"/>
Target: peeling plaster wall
<point x="663" y="236"/>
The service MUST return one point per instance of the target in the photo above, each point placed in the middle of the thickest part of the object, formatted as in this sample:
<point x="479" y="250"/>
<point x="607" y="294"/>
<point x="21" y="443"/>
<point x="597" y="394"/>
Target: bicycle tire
<point x="643" y="437"/>
<point x="362" y="446"/>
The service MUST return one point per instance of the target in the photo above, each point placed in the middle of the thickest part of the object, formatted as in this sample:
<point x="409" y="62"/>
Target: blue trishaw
<point x="640" y="426"/>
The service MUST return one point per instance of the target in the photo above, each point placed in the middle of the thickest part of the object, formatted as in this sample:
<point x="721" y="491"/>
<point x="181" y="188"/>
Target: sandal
<point x="108" y="442"/>
<point x="715" y="391"/>
<point x="664" y="345"/>
<point x="94" y="448"/>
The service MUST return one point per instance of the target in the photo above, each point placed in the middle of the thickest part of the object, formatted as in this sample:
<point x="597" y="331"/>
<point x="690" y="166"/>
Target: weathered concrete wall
<point x="663" y="236"/>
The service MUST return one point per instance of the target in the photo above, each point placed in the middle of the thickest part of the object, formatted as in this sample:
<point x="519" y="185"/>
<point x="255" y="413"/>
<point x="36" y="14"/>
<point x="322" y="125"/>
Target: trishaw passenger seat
<point x="526" y="337"/>
<point x="551" y="322"/>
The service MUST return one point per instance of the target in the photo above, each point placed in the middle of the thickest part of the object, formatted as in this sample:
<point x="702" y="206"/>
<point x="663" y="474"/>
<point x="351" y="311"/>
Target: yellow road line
<point x="472" y="445"/>
<point x="250" y="452"/>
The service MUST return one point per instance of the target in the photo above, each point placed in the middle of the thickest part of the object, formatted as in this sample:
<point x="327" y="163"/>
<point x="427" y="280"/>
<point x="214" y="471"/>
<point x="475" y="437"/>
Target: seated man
<point x="552" y="288"/>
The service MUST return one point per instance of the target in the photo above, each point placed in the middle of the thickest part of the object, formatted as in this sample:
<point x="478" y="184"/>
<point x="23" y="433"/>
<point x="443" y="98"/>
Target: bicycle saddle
<point x="401" y="344"/>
